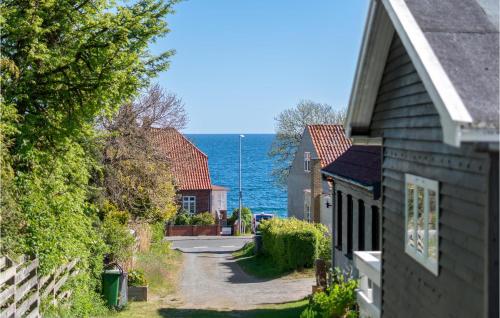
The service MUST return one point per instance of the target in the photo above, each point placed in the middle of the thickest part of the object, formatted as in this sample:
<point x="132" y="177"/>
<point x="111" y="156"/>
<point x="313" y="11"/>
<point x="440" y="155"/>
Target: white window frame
<point x="189" y="202"/>
<point x="427" y="185"/>
<point x="307" y="212"/>
<point x="307" y="161"/>
<point x="307" y="205"/>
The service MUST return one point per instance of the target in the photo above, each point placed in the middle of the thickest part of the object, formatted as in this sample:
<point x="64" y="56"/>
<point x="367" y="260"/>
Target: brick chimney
<point x="316" y="190"/>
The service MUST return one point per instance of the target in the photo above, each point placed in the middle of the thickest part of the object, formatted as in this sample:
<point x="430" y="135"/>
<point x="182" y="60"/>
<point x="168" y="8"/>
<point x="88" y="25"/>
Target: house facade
<point x="355" y="176"/>
<point x="308" y="192"/>
<point x="426" y="90"/>
<point x="189" y="166"/>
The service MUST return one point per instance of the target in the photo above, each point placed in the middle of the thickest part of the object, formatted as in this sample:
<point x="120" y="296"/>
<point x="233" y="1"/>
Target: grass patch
<point x="287" y="310"/>
<point x="158" y="309"/>
<point x="160" y="265"/>
<point x="262" y="266"/>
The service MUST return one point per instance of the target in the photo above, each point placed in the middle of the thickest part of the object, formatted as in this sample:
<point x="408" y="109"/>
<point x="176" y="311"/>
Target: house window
<point x="307" y="212"/>
<point x="422" y="221"/>
<point x="307" y="161"/>
<point x="189" y="204"/>
<point x="338" y="222"/>
<point x="375" y="229"/>
<point x="361" y="225"/>
<point x="349" y="226"/>
<point x="307" y="205"/>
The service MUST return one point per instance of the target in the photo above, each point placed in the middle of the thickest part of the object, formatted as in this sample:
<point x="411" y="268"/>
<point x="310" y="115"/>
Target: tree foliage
<point x="137" y="177"/>
<point x="246" y="217"/>
<point x="64" y="64"/>
<point x="290" y="125"/>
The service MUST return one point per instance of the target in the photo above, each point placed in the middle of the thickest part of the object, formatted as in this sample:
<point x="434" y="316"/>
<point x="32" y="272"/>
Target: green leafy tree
<point x="137" y="177"/>
<point x="64" y="64"/>
<point x="290" y="125"/>
<point x="246" y="217"/>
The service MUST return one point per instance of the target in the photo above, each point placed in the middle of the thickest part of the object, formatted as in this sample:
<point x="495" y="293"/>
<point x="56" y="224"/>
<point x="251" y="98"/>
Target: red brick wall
<point x="192" y="230"/>
<point x="202" y="199"/>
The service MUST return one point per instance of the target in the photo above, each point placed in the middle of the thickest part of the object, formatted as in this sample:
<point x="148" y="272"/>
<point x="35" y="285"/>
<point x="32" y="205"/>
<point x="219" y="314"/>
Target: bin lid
<point x="112" y="272"/>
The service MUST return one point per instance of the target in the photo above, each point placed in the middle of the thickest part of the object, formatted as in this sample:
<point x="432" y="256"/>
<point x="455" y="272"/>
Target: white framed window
<point x="189" y="204"/>
<point x="307" y="212"/>
<point x="307" y="161"/>
<point x="307" y="205"/>
<point x="422" y="221"/>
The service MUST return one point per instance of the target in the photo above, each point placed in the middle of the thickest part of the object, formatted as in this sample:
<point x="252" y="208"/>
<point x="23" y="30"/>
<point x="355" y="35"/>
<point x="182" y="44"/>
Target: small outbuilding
<point x="355" y="177"/>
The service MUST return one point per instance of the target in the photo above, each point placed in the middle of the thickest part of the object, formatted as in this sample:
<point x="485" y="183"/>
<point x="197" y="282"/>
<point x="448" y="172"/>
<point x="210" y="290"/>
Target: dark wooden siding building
<point x="426" y="89"/>
<point x="412" y="137"/>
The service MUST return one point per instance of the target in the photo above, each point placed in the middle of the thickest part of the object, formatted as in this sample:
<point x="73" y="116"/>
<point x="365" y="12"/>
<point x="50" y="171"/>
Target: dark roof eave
<point x="369" y="187"/>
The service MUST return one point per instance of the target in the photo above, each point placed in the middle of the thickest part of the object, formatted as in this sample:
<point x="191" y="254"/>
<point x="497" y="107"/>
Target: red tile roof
<point x="189" y="164"/>
<point x="329" y="141"/>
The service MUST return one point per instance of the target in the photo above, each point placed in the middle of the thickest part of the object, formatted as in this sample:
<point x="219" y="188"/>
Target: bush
<point x="182" y="219"/>
<point x="246" y="216"/>
<point x="157" y="231"/>
<point x="136" y="278"/>
<point x="117" y="237"/>
<point x="294" y="244"/>
<point x="205" y="218"/>
<point x="339" y="300"/>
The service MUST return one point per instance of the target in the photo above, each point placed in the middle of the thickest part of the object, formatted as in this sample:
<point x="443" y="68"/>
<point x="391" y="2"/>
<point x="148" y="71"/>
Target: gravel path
<point x="212" y="279"/>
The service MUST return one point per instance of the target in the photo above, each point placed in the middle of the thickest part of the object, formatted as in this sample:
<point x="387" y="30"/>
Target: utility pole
<point x="240" y="226"/>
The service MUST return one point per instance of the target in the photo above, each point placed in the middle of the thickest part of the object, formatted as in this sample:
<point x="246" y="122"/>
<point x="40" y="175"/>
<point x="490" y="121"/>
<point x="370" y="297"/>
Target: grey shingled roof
<point x="465" y="41"/>
<point x="361" y="164"/>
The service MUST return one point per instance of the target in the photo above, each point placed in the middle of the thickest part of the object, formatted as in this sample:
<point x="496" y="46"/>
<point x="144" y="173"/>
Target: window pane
<point x="420" y="220"/>
<point x="433" y="224"/>
<point x="410" y="219"/>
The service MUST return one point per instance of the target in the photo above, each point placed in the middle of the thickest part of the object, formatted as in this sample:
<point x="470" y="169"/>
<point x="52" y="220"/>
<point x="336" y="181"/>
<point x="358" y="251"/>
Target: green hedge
<point x="205" y="218"/>
<point x="294" y="244"/>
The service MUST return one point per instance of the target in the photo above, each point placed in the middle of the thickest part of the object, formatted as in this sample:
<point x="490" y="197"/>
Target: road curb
<point x="196" y="238"/>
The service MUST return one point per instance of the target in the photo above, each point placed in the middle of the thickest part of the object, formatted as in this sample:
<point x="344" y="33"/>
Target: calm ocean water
<point x="260" y="193"/>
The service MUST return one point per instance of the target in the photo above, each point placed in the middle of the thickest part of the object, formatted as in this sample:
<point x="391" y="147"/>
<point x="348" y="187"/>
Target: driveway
<point x="212" y="279"/>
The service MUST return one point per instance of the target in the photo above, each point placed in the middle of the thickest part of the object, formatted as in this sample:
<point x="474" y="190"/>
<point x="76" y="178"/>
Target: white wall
<point x="326" y="214"/>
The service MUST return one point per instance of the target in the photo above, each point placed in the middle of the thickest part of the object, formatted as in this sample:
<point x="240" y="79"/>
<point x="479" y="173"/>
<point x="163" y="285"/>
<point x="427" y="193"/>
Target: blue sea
<point x="260" y="193"/>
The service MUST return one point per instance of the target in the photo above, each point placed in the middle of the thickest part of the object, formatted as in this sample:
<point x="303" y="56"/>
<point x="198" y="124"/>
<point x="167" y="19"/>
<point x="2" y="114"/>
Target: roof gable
<point x="454" y="48"/>
<point x="329" y="141"/>
<point x="188" y="163"/>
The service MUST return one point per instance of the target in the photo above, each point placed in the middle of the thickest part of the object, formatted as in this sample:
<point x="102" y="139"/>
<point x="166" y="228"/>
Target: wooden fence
<point x="21" y="288"/>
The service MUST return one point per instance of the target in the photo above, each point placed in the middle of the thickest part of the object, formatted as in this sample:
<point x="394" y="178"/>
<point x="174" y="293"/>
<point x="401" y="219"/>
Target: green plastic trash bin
<point x="111" y="286"/>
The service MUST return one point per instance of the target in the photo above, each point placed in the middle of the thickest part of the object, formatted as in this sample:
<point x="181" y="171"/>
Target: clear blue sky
<point x="240" y="63"/>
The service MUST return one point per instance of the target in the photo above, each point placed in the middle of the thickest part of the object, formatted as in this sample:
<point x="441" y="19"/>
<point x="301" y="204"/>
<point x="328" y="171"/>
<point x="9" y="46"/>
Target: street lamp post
<point x="241" y="193"/>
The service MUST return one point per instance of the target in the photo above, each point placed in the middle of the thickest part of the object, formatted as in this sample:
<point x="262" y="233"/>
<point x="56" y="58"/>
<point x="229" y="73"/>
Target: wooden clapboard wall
<point x="409" y="123"/>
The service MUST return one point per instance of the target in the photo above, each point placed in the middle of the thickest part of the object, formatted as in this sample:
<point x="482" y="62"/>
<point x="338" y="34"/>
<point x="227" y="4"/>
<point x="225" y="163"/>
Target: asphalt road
<point x="206" y="244"/>
<point x="212" y="279"/>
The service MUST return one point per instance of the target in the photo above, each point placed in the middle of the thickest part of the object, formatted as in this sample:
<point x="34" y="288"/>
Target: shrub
<point x="339" y="300"/>
<point x="205" y="218"/>
<point x="118" y="238"/>
<point x="157" y="232"/>
<point x="182" y="219"/>
<point x="293" y="244"/>
<point x="136" y="278"/>
<point x="246" y="216"/>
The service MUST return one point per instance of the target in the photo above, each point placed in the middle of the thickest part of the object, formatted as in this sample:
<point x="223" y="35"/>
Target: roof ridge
<point x="183" y="136"/>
